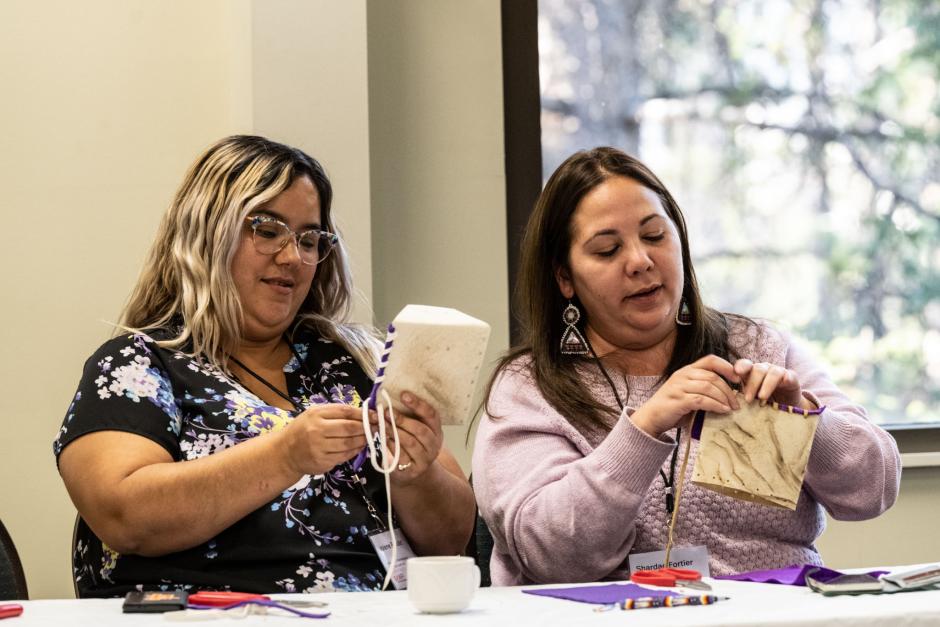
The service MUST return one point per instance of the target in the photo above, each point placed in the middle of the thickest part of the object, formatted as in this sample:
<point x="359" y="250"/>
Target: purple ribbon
<point x="697" y="425"/>
<point x="263" y="602"/>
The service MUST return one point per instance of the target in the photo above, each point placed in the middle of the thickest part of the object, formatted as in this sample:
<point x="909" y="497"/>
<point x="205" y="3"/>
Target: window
<point x="802" y="140"/>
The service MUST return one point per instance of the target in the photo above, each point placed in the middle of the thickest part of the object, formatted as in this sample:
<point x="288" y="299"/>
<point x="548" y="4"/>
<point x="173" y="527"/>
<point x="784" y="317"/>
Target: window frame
<point x="523" y="166"/>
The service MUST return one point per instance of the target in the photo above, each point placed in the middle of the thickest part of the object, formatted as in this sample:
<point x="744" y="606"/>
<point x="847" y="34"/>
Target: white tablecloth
<point x="750" y="604"/>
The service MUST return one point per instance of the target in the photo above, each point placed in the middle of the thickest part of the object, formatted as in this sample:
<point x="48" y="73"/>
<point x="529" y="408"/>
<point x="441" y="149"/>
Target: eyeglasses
<point x="270" y="236"/>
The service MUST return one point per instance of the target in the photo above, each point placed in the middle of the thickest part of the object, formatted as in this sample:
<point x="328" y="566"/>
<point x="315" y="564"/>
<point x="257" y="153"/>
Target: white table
<point x="750" y="604"/>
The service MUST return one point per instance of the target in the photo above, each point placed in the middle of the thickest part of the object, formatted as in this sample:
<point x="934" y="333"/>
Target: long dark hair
<point x="539" y="301"/>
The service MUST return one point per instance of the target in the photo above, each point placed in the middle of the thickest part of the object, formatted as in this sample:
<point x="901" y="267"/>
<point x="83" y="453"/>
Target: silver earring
<point x="572" y="342"/>
<point x="683" y="315"/>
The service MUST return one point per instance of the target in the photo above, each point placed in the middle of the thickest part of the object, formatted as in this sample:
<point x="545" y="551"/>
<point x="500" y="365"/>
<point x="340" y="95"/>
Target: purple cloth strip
<point x="792" y="409"/>
<point x="265" y="603"/>
<point x="697" y="425"/>
<point x="794" y="575"/>
<point x="602" y="594"/>
<point x="360" y="459"/>
<point x="374" y="394"/>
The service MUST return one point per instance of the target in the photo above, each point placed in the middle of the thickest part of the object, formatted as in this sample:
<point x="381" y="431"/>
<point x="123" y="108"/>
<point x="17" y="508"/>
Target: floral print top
<point x="312" y="537"/>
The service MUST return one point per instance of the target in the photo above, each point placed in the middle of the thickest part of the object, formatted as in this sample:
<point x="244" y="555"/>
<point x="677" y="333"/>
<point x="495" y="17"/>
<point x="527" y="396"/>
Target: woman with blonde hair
<point x="215" y="441"/>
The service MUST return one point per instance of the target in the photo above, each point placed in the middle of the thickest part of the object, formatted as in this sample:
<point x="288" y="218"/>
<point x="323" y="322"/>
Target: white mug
<point x="442" y="584"/>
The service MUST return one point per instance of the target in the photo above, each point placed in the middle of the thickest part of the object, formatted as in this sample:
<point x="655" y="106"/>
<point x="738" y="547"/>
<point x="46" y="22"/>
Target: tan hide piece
<point x="756" y="453"/>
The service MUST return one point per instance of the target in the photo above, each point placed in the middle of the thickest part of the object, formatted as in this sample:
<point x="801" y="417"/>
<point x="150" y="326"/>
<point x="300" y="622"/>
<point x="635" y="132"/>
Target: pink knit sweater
<point x="566" y="506"/>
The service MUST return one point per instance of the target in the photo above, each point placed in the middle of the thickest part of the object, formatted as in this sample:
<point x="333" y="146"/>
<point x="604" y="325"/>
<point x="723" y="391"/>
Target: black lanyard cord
<point x="274" y="388"/>
<point x="667" y="481"/>
<point x="261" y="379"/>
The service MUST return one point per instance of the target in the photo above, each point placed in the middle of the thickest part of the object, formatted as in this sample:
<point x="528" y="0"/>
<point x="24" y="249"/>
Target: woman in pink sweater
<point x="575" y="457"/>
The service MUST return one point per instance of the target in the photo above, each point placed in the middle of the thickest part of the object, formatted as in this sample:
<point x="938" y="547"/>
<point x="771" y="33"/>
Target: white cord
<point x="388" y="465"/>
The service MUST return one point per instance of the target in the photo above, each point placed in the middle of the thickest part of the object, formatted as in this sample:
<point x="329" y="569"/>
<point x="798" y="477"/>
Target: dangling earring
<point x="683" y="315"/>
<point x="572" y="342"/>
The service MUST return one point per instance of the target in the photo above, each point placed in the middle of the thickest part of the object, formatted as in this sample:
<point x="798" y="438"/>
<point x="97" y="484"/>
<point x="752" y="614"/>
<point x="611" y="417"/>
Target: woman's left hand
<point x="767" y="382"/>
<point x="421" y="439"/>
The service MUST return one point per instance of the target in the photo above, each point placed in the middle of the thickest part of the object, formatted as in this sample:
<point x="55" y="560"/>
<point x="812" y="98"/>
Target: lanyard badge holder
<point x="385" y="541"/>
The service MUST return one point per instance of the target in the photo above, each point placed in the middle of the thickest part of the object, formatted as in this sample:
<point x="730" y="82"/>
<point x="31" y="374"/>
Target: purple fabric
<point x="603" y="594"/>
<point x="263" y="602"/>
<point x="697" y="425"/>
<point x="380" y="375"/>
<point x="792" y="575"/>
<point x="360" y="459"/>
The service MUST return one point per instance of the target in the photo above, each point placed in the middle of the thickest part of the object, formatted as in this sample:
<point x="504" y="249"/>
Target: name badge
<point x="693" y="557"/>
<point x="382" y="543"/>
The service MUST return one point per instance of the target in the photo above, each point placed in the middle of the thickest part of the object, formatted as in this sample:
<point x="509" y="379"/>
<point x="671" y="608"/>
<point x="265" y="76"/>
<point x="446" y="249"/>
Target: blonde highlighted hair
<point x="186" y="283"/>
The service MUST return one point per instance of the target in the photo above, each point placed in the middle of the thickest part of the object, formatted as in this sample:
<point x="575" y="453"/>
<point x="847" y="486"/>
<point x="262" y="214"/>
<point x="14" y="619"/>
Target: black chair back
<point x="12" y="578"/>
<point x="75" y="564"/>
<point x="483" y="541"/>
<point x="480" y="547"/>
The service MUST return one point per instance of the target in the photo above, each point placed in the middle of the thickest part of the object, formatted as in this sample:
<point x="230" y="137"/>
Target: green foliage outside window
<point x="802" y="140"/>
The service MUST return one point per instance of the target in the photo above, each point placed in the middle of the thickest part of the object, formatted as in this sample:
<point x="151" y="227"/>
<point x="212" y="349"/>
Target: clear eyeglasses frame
<point x="269" y="236"/>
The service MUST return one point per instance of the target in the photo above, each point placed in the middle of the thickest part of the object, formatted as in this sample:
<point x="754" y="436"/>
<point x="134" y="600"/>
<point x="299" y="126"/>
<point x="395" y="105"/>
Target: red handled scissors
<point x="223" y="599"/>
<point x="671" y="577"/>
<point x="211" y="598"/>
<point x="9" y="610"/>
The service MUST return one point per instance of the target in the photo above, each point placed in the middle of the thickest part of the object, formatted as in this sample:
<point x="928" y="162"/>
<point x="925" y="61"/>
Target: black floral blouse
<point x="312" y="537"/>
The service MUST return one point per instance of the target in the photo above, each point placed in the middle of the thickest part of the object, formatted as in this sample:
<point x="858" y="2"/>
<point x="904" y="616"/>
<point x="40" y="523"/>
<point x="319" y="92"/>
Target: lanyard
<point x="353" y="466"/>
<point x="365" y="497"/>
<point x="667" y="481"/>
<point x="274" y="388"/>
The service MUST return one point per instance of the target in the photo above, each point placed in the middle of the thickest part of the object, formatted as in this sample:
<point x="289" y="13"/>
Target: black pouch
<point x="155" y="601"/>
<point x="844" y="584"/>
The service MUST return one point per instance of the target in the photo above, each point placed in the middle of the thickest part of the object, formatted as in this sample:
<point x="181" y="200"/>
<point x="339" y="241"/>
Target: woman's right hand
<point x="702" y="384"/>
<point x="324" y="436"/>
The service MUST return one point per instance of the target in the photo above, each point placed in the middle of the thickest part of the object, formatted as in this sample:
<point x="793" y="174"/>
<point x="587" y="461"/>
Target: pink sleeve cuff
<point x="632" y="457"/>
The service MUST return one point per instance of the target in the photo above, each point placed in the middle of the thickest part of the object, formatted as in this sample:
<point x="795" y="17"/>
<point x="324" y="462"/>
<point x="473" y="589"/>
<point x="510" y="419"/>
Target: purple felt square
<point x="601" y="594"/>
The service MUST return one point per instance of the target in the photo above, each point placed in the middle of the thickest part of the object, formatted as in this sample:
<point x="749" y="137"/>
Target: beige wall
<point x="309" y="69"/>
<point x="905" y="534"/>
<point x="436" y="132"/>
<point x="100" y="117"/>
<point x="106" y="103"/>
